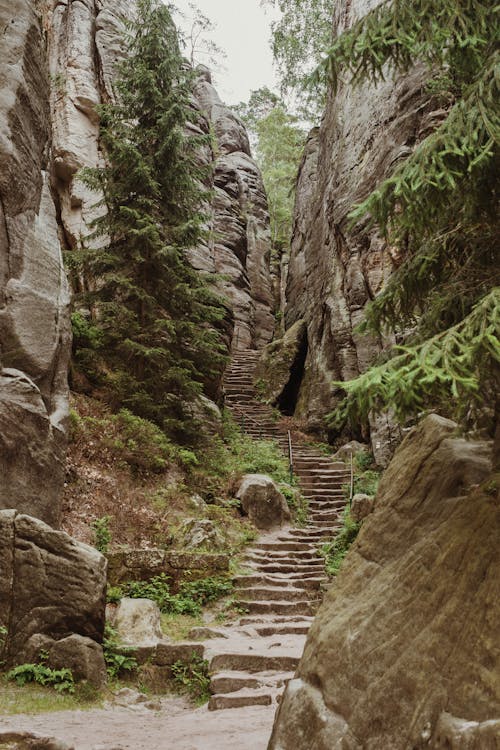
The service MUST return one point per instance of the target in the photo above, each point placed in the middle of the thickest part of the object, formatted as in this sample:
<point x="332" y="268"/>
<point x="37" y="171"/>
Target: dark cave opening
<point x="288" y="399"/>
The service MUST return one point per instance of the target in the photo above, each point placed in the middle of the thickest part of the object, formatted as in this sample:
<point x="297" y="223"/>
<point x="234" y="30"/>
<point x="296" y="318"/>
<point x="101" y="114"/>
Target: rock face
<point x="412" y="621"/>
<point x="262" y="501"/>
<point x="241" y="245"/>
<point x="34" y="318"/>
<point x="137" y="622"/>
<point x="52" y="593"/>
<point x="334" y="270"/>
<point x="143" y="564"/>
<point x="201" y="533"/>
<point x="278" y="373"/>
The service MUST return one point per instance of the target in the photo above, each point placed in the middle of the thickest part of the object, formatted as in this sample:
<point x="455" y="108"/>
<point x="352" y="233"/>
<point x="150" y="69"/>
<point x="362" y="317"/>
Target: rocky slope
<point x="334" y="269"/>
<point x="58" y="61"/>
<point x="404" y="652"/>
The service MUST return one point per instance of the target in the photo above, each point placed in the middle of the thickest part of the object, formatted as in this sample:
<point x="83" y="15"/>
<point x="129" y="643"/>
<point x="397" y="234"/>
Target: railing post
<point x="290" y="456"/>
<point x="352" y="482"/>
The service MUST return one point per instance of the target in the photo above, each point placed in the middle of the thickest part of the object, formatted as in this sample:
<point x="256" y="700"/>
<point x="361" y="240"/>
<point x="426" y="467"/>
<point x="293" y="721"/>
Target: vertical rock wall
<point x="57" y="61"/>
<point x="335" y="270"/>
<point x="34" y="299"/>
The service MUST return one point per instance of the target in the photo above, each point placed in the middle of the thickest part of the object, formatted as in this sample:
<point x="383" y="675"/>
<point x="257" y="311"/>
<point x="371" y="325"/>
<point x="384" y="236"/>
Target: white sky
<point x="243" y="31"/>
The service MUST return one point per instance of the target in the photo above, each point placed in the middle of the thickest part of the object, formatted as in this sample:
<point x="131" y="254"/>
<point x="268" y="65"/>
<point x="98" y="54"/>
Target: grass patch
<point x="36" y="699"/>
<point x="335" y="551"/>
<point x="177" y="627"/>
<point x="192" y="678"/>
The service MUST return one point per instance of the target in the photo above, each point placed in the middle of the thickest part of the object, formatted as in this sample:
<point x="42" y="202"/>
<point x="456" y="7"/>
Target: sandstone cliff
<point x="334" y="269"/>
<point x="57" y="63"/>
<point x="404" y="652"/>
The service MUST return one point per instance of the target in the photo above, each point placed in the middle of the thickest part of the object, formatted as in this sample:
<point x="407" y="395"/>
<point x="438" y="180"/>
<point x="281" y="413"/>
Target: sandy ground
<point x="176" y="727"/>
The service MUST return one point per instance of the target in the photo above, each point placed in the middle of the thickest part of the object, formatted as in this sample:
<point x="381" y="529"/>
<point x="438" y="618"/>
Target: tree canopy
<point x="300" y="38"/>
<point x="279" y="142"/>
<point x="439" y="206"/>
<point x="152" y="340"/>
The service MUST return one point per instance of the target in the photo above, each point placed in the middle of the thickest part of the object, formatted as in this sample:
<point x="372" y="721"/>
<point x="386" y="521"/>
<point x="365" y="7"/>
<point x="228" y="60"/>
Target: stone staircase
<point x="284" y="581"/>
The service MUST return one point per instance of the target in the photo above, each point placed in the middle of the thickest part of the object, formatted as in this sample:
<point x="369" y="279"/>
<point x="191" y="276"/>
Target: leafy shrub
<point x="119" y="659"/>
<point x="60" y="679"/>
<point x="102" y="534"/>
<point x="363" y="460"/>
<point x="335" y="551"/>
<point x="191" y="598"/>
<point x="192" y="678"/>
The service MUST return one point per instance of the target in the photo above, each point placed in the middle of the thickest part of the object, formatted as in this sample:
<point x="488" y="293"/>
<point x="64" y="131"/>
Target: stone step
<point x="233" y="681"/>
<point x="285" y="629"/>
<point x="300" y="555"/>
<point x="275" y="593"/>
<point x="306" y="582"/>
<point x="279" y="607"/>
<point x="284" y="545"/>
<point x="311" y="569"/>
<point x="271" y="620"/>
<point x="253" y="662"/>
<point x="302" y="564"/>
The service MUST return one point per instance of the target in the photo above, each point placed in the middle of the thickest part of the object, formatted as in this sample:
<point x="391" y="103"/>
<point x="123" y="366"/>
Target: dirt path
<point x="177" y="726"/>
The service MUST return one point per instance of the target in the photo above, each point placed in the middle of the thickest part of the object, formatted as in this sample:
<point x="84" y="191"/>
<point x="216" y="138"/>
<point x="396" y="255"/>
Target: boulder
<point x="452" y="733"/>
<point x="80" y="654"/>
<point x="349" y="449"/>
<point x="52" y="587"/>
<point x="201" y="533"/>
<point x="31" y="741"/>
<point x="412" y="621"/>
<point x="137" y="622"/>
<point x="361" y="506"/>
<point x="262" y="502"/>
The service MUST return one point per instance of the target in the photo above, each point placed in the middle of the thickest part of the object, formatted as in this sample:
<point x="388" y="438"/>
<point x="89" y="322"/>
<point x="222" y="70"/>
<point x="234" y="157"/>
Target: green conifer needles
<point x="462" y="363"/>
<point x="156" y="316"/>
<point x="440" y="206"/>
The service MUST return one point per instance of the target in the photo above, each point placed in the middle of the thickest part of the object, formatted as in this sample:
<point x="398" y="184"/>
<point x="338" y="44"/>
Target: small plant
<point x="297" y="503"/>
<point x="367" y="483"/>
<point x="363" y="460"/>
<point x="191" y="598"/>
<point x="335" y="551"/>
<point x="114" y="594"/>
<point x="192" y="678"/>
<point x="102" y="534"/>
<point x="119" y="659"/>
<point x="60" y="679"/>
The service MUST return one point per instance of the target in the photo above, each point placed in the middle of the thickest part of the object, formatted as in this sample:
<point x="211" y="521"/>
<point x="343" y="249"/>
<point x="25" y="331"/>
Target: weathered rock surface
<point x="262" y="501"/>
<point x="361" y="506"/>
<point x="52" y="593"/>
<point x="279" y="369"/>
<point x="31" y="741"/>
<point x="142" y="564"/>
<point x="201" y="533"/>
<point x="137" y="622"/>
<point x="413" y="619"/>
<point x="240" y="250"/>
<point x="34" y="315"/>
<point x="458" y="734"/>
<point x="334" y="269"/>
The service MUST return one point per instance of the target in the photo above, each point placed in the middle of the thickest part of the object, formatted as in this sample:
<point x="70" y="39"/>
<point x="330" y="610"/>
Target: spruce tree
<point x="439" y="206"/>
<point x="154" y="316"/>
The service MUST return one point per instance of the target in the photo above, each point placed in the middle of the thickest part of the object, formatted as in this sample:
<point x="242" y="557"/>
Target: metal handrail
<point x="290" y="455"/>
<point x="351" y="493"/>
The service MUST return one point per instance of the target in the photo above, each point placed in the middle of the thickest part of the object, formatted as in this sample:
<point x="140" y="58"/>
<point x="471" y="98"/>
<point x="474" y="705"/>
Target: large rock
<point x="51" y="587"/>
<point x="279" y="370"/>
<point x="137" y="622"/>
<point x="335" y="269"/>
<point x="198" y="533"/>
<point x="34" y="300"/>
<point x="262" y="501"/>
<point x="411" y="628"/>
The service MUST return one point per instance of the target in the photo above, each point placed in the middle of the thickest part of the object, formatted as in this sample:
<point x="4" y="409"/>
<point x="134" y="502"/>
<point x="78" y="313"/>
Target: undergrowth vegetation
<point x="335" y="551"/>
<point x="192" y="678"/>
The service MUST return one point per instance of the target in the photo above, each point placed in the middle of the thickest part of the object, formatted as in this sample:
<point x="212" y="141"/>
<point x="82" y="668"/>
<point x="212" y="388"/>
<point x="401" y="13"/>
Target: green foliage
<point x="299" y="40"/>
<point x="298" y="504"/>
<point x="279" y="146"/>
<point x="335" y="551"/>
<point x="156" y="316"/>
<point x="191" y="598"/>
<point x="133" y="441"/>
<point x="102" y="534"/>
<point x="59" y="679"/>
<point x="439" y="206"/>
<point x="458" y="363"/>
<point x="119" y="659"/>
<point x="367" y="482"/>
<point x="363" y="460"/>
<point x="192" y="678"/>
